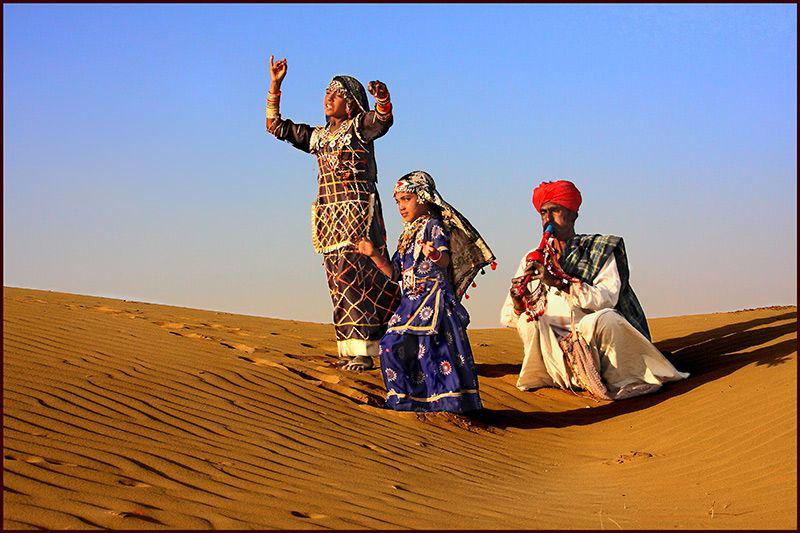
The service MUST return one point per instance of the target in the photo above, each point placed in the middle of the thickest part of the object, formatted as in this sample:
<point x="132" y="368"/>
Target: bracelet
<point x="273" y="113"/>
<point x="383" y="109"/>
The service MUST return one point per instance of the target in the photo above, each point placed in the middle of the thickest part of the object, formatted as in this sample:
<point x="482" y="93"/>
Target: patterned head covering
<point x="352" y="90"/>
<point x="469" y="252"/>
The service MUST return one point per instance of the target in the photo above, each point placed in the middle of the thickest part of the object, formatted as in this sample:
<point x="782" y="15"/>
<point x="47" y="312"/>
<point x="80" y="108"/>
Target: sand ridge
<point x="122" y="414"/>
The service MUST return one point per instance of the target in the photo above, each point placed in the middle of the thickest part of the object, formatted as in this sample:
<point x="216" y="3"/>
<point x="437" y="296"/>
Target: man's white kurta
<point x="622" y="354"/>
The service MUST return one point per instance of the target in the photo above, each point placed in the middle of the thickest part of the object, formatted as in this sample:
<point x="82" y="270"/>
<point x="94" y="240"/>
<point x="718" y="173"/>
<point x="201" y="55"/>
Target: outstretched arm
<point x="299" y="135"/>
<point x="365" y="247"/>
<point x="375" y="123"/>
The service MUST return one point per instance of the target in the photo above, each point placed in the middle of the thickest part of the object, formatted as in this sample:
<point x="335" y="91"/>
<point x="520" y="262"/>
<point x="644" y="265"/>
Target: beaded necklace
<point x="410" y="230"/>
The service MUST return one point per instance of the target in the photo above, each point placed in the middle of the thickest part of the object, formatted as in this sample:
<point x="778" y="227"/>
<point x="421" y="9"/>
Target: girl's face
<point x="409" y="206"/>
<point x="335" y="105"/>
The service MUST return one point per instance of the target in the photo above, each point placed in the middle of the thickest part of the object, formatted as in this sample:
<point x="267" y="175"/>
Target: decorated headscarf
<point x="352" y="90"/>
<point x="561" y="192"/>
<point x="469" y="253"/>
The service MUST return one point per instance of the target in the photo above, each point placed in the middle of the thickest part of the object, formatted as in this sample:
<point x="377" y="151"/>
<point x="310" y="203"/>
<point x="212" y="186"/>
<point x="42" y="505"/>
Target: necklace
<point x="410" y="230"/>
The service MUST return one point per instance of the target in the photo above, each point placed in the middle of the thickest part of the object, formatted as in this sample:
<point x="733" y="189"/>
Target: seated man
<point x="581" y="286"/>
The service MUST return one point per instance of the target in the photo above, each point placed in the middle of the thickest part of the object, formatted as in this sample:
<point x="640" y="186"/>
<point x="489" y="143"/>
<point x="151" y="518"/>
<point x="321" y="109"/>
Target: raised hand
<point x="378" y="90"/>
<point x="428" y="249"/>
<point x="277" y="69"/>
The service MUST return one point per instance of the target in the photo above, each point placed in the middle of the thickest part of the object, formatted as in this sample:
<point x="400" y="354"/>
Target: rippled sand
<point x="121" y="414"/>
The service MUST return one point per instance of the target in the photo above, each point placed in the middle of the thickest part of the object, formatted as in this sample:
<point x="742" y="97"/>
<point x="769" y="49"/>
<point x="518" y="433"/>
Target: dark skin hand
<point x="537" y="271"/>
<point x="378" y="89"/>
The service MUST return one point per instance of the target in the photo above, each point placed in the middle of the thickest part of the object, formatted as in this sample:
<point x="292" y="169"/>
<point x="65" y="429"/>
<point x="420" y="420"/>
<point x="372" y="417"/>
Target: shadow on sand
<point x="706" y="355"/>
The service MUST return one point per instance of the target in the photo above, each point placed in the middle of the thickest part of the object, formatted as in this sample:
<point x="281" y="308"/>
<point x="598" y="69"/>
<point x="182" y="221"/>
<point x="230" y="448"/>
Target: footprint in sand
<point x="237" y="346"/>
<point x="191" y="335"/>
<point x="261" y="361"/>
<point x="632" y="457"/>
<point x="170" y="325"/>
<point x="197" y="336"/>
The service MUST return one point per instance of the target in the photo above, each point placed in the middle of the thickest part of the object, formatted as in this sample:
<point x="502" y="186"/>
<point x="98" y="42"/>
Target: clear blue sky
<point x="136" y="163"/>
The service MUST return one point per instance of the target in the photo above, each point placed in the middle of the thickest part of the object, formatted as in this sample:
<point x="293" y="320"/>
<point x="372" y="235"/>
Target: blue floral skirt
<point x="430" y="372"/>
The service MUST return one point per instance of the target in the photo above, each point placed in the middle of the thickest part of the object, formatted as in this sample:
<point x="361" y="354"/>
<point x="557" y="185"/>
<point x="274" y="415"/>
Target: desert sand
<point x="121" y="414"/>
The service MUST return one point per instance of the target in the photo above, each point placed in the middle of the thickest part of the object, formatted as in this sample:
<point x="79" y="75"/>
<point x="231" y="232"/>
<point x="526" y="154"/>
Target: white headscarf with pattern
<point x="469" y="253"/>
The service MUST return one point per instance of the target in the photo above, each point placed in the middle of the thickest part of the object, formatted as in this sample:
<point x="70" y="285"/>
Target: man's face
<point x="563" y="219"/>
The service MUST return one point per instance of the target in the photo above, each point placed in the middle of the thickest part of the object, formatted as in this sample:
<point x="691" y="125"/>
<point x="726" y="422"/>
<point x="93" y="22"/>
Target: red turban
<point x="560" y="192"/>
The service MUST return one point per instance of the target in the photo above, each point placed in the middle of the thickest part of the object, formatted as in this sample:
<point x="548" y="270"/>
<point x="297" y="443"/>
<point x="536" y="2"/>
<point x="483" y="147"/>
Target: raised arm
<point x="376" y="122"/>
<point x="299" y="135"/>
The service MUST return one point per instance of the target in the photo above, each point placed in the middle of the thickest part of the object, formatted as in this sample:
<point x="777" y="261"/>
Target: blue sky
<point x="136" y="163"/>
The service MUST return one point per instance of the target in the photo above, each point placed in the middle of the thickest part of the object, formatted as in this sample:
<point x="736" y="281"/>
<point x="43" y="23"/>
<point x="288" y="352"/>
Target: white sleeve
<point x="603" y="293"/>
<point x="507" y="315"/>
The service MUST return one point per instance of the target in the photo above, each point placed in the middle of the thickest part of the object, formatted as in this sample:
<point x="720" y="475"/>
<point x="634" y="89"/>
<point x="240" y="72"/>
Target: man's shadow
<point x="706" y="355"/>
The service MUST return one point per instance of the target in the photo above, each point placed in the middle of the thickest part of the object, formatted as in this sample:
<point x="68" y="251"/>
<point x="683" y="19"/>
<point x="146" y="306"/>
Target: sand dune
<point x="122" y="414"/>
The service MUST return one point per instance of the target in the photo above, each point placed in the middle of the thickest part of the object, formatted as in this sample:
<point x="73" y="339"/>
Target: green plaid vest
<point x="583" y="258"/>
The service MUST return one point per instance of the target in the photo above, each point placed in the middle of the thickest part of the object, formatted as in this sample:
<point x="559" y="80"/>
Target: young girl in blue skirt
<point x="425" y="354"/>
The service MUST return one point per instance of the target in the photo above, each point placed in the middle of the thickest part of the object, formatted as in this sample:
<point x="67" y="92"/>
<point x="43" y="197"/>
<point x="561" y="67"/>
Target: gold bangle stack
<point x="273" y="105"/>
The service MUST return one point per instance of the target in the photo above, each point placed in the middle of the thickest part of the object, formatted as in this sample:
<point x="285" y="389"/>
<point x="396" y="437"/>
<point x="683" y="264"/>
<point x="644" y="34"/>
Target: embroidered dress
<point x="347" y="209"/>
<point x="426" y="357"/>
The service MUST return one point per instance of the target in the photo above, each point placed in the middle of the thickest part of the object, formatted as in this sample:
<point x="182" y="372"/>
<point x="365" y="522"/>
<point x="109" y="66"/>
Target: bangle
<point x="438" y="255"/>
<point x="384" y="108"/>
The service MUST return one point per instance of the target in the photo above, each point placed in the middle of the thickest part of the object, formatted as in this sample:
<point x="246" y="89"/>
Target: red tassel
<point x="466" y="296"/>
<point x="493" y="265"/>
<point x="474" y="284"/>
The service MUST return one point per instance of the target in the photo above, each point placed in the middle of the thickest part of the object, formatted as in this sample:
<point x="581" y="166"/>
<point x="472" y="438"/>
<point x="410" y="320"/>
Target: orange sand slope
<point x="121" y="414"/>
